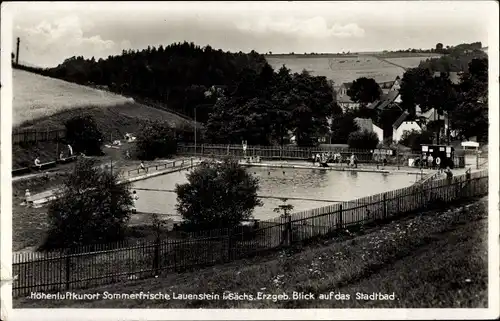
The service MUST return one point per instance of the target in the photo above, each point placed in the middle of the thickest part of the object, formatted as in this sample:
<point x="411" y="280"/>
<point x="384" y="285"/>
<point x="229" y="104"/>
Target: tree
<point x="156" y="139"/>
<point x="217" y="195"/>
<point x="470" y="117"/>
<point x="414" y="85"/>
<point x="439" y="47"/>
<point x="364" y="90"/>
<point x="363" y="140"/>
<point x="83" y="134"/>
<point x="92" y="208"/>
<point x="414" y="139"/>
<point x="284" y="209"/>
<point x="342" y="126"/>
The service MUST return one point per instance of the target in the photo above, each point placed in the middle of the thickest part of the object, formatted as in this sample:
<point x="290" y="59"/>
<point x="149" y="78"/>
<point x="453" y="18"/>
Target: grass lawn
<point x="433" y="259"/>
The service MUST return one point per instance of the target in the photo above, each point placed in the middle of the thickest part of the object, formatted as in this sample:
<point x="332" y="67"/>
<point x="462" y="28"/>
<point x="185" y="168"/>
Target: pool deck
<point x="360" y="168"/>
<point x="49" y="195"/>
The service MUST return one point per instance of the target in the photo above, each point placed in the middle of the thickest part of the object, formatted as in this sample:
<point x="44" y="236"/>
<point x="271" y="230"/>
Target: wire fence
<point x="375" y="156"/>
<point x="94" y="265"/>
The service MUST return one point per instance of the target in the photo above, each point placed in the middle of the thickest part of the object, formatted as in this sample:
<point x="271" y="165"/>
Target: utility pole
<point x="17" y="51"/>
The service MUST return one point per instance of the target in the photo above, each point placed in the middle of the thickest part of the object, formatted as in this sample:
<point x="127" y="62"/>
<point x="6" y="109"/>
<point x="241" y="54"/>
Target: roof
<point x="347" y="85"/>
<point x="400" y="120"/>
<point x="385" y="100"/>
<point x="364" y="123"/>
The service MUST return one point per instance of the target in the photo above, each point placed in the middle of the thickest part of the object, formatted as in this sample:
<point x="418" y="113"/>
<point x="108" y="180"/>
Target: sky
<point x="50" y="32"/>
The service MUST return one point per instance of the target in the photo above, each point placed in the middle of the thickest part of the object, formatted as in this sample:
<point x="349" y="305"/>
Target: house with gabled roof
<point x="368" y="125"/>
<point x="401" y="126"/>
<point x="343" y="99"/>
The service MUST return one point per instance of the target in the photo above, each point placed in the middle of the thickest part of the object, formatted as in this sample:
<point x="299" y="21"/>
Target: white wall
<point x="380" y="133"/>
<point x="405" y="126"/>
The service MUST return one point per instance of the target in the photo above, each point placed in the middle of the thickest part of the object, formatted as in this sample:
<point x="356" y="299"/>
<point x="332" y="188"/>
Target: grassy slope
<point x="43" y="102"/>
<point x="429" y="260"/>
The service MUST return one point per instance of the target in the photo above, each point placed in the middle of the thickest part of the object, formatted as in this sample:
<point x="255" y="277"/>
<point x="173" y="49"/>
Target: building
<point x="367" y="124"/>
<point x="400" y="126"/>
<point x="343" y="99"/>
<point x="393" y="97"/>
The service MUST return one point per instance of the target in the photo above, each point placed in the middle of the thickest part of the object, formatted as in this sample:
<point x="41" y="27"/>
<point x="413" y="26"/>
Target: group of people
<point x="323" y="158"/>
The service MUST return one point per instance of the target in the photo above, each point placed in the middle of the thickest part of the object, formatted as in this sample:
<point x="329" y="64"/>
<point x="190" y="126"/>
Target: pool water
<point x="318" y="184"/>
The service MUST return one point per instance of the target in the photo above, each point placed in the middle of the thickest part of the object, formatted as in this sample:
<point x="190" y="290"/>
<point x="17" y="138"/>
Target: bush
<point x="155" y="140"/>
<point x="363" y="140"/>
<point x="83" y="135"/>
<point x="217" y="195"/>
<point x="414" y="139"/>
<point x="92" y="208"/>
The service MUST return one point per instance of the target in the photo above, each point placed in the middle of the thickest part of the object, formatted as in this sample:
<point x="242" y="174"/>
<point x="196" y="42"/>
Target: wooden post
<point x="340" y="221"/>
<point x="385" y="206"/>
<point x="289" y="230"/>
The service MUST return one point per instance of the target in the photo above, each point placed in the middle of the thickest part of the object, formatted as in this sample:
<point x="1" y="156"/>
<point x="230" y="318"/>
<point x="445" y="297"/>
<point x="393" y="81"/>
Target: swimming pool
<point x="318" y="184"/>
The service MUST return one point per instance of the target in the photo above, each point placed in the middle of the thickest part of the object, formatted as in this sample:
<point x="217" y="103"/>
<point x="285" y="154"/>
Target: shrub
<point x="83" y="135"/>
<point x="155" y="140"/>
<point x="414" y="139"/>
<point x="363" y="140"/>
<point x="91" y="208"/>
<point x="217" y="195"/>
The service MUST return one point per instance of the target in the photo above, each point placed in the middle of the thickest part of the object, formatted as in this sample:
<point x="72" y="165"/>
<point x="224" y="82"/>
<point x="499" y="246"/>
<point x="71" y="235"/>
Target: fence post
<point x="156" y="259"/>
<point x="340" y="221"/>
<point x="289" y="230"/>
<point x="228" y="150"/>
<point x="385" y="206"/>
<point x="68" y="269"/>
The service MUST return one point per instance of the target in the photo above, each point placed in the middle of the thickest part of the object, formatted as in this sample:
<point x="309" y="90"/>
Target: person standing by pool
<point x="135" y="197"/>
<point x="353" y="162"/>
<point x="430" y="161"/>
<point x="449" y="174"/>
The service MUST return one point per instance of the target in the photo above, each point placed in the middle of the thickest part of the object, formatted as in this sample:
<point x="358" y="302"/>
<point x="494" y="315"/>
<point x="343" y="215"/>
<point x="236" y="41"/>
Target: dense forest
<point x="238" y="95"/>
<point x="177" y="75"/>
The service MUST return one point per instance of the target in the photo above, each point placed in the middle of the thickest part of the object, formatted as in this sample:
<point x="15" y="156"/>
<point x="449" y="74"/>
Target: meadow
<point x="347" y="68"/>
<point x="36" y="96"/>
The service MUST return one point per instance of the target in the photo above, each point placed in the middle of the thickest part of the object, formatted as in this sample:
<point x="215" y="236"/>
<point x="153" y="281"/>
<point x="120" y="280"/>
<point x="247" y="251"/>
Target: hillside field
<point x="347" y="69"/>
<point x="45" y="103"/>
<point x="40" y="98"/>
